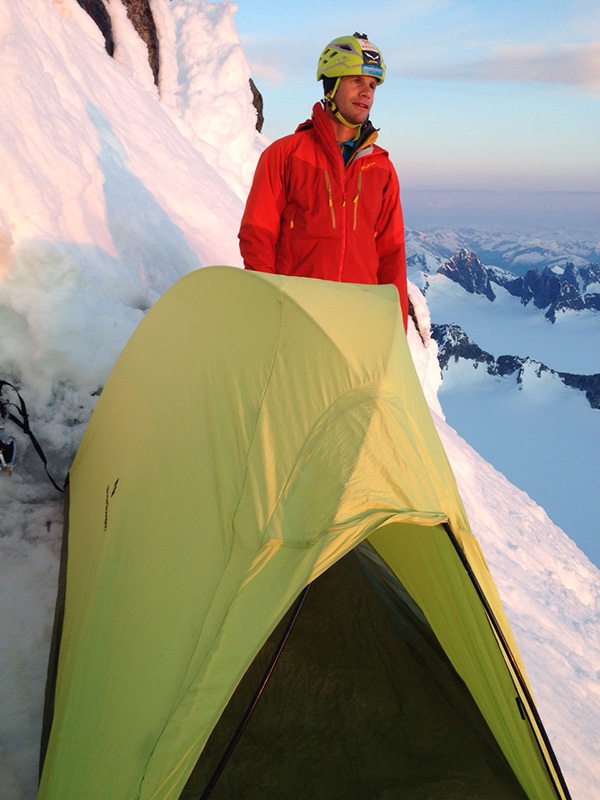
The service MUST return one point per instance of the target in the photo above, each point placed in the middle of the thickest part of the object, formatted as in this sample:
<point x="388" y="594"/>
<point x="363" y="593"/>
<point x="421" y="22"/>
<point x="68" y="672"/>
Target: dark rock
<point x="97" y="11"/>
<point x="257" y="102"/>
<point x="543" y="289"/>
<point x="142" y="20"/>
<point x="569" y="297"/>
<point x="549" y="291"/>
<point x="454" y="343"/>
<point x="467" y="270"/>
<point x="508" y="365"/>
<point x="589" y="384"/>
<point x="515" y="287"/>
<point x="140" y="14"/>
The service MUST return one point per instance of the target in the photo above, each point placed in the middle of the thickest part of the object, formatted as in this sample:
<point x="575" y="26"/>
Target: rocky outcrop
<point x="588" y="384"/>
<point x="140" y="14"/>
<point x="257" y="102"/>
<point x="97" y="11"/>
<point x="467" y="270"/>
<point x="454" y="344"/>
<point x="552" y="291"/>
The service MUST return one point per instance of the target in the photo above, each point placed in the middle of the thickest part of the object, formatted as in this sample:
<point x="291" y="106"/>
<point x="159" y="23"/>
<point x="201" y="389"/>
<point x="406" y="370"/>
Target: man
<point x="325" y="201"/>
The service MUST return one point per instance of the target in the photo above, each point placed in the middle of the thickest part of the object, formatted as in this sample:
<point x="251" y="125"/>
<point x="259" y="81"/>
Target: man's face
<point x="354" y="97"/>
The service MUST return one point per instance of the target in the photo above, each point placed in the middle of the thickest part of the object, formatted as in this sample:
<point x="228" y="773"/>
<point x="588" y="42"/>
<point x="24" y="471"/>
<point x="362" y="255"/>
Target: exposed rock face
<point x="97" y="11"/>
<point x="454" y="344"/>
<point x="508" y="365"/>
<point x="574" y="288"/>
<point x="467" y="270"/>
<point x="142" y="20"/>
<point x="257" y="102"/>
<point x="140" y="14"/>
<point x="589" y="384"/>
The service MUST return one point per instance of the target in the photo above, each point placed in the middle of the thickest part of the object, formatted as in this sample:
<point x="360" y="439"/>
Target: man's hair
<point x="328" y="85"/>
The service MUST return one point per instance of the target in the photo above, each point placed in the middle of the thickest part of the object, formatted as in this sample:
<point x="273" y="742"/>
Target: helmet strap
<point x="329" y="102"/>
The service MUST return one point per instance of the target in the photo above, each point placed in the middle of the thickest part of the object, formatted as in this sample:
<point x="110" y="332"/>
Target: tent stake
<point x="249" y="711"/>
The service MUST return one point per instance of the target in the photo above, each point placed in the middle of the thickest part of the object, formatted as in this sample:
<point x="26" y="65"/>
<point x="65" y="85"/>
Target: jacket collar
<point x="323" y="129"/>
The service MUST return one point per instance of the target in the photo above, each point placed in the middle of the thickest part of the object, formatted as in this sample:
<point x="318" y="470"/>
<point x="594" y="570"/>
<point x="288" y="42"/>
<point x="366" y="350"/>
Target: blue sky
<point x="487" y="107"/>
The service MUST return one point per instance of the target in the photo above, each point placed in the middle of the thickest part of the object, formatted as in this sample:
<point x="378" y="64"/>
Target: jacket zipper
<point x="355" y="201"/>
<point x="330" y="198"/>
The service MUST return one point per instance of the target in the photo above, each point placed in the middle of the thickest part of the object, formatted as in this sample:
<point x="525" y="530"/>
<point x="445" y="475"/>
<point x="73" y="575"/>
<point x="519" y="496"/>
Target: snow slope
<point x="110" y="191"/>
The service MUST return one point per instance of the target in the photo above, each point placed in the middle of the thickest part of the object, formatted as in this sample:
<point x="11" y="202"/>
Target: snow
<point x="512" y="250"/>
<point x="552" y="427"/>
<point x="111" y="190"/>
<point x="550" y="594"/>
<point x="506" y="327"/>
<point x="541" y="434"/>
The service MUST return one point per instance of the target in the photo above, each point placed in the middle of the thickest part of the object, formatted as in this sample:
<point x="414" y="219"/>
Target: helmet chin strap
<point x="328" y="101"/>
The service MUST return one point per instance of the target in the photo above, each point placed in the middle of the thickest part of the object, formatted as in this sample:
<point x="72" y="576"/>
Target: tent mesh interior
<point x="362" y="704"/>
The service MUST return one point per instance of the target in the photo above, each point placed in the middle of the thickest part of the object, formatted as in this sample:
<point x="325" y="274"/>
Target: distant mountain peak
<point x="552" y="290"/>
<point x="454" y="344"/>
<point x="516" y="252"/>
<point x="574" y="288"/>
<point x="467" y="270"/>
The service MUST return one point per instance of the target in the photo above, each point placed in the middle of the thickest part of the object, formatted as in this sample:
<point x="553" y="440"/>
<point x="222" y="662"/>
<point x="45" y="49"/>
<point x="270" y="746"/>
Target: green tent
<point x="259" y="434"/>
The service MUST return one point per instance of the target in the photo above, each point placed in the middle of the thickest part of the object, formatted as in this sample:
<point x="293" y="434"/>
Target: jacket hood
<point x="321" y="124"/>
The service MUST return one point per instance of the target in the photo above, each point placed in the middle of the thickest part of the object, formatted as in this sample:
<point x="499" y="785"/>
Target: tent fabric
<point x="255" y="429"/>
<point x="336" y="721"/>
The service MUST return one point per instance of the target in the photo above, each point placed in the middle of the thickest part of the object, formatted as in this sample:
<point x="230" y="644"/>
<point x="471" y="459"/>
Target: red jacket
<point x="310" y="215"/>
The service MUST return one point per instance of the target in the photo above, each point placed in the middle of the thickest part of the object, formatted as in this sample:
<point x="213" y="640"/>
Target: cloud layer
<point x="569" y="64"/>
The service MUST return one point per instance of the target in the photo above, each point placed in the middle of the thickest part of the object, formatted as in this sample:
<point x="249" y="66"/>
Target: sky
<point x="107" y="198"/>
<point x="487" y="107"/>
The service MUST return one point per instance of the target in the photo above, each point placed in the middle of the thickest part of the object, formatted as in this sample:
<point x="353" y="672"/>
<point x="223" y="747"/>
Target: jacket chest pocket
<point x="355" y="201"/>
<point x="330" y="198"/>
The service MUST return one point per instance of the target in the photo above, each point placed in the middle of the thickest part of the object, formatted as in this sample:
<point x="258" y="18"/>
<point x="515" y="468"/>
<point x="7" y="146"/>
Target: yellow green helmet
<point x="351" y="55"/>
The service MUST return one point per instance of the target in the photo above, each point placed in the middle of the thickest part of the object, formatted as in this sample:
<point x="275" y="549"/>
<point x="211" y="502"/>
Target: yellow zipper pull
<point x="355" y="201"/>
<point x="330" y="198"/>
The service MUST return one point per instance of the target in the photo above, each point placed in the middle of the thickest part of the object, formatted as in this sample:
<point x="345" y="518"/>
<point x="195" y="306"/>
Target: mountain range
<point x="520" y="368"/>
<point x="454" y="343"/>
<point x="507" y="249"/>
<point x="551" y="291"/>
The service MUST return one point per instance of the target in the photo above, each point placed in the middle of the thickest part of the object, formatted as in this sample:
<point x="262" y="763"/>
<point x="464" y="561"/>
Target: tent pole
<point x="249" y="711"/>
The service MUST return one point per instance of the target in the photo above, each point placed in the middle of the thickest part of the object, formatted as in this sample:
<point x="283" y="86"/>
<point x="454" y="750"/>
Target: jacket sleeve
<point x="390" y="242"/>
<point x="261" y="221"/>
